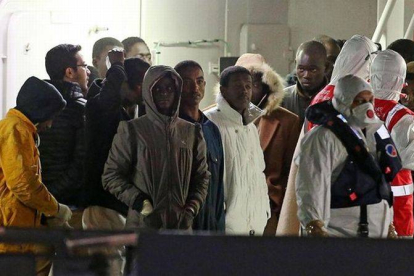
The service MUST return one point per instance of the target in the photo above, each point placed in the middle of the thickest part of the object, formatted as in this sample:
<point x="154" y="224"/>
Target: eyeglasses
<point x="85" y="66"/>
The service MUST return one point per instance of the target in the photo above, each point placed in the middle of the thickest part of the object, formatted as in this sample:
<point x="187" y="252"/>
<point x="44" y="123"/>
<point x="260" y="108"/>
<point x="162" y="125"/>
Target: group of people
<point x="124" y="144"/>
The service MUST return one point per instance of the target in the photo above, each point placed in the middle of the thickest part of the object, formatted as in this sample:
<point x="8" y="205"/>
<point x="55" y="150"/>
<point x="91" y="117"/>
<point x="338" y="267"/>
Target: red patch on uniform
<point x="387" y="170"/>
<point x="370" y="114"/>
<point x="353" y="196"/>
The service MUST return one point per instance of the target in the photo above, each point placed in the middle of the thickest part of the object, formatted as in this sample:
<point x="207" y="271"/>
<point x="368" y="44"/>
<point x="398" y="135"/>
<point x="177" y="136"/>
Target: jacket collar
<point x="16" y="113"/>
<point x="251" y="114"/>
<point x="299" y="89"/>
<point x="69" y="90"/>
<point x="203" y="118"/>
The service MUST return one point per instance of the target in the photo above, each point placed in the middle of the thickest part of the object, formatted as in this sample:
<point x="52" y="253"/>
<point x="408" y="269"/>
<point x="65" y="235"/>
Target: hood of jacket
<point x="354" y="58"/>
<point x="388" y="71"/>
<point x="345" y="92"/>
<point x="39" y="101"/>
<point x="152" y="76"/>
<point x="255" y="63"/>
<point x="70" y="91"/>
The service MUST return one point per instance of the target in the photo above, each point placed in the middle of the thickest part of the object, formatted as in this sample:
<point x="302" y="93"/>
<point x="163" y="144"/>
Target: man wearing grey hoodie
<point x="157" y="164"/>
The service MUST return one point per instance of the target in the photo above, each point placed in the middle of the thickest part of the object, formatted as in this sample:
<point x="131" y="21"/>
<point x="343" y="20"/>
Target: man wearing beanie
<point x="24" y="198"/>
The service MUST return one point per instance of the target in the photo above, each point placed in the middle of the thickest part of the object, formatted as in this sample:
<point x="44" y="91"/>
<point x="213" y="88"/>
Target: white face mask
<point x="363" y="115"/>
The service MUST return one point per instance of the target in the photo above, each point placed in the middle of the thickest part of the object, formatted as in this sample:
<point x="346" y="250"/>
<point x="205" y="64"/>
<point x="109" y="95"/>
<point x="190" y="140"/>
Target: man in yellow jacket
<point x="23" y="196"/>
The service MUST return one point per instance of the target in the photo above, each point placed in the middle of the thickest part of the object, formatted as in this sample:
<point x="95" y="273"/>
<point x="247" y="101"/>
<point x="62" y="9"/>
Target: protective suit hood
<point x="354" y="58"/>
<point x="387" y="75"/>
<point x="345" y="92"/>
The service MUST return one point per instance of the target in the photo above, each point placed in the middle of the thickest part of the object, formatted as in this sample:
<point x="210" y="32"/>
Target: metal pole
<point x="383" y="20"/>
<point x="409" y="28"/>
<point x="226" y="23"/>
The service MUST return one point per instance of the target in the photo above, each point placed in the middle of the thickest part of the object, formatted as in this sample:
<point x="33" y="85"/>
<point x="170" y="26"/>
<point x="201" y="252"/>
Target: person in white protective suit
<point x="332" y="201"/>
<point x="355" y="58"/>
<point x="388" y="72"/>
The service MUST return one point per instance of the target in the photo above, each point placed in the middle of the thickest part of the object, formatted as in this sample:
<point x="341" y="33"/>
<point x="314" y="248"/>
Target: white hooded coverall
<point x="387" y="78"/>
<point x="321" y="160"/>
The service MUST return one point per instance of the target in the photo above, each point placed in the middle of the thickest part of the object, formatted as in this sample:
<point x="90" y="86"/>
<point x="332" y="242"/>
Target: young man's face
<point x="82" y="73"/>
<point x="310" y="70"/>
<point x="238" y="92"/>
<point x="140" y="50"/>
<point x="99" y="62"/>
<point x="193" y="86"/>
<point x="164" y="93"/>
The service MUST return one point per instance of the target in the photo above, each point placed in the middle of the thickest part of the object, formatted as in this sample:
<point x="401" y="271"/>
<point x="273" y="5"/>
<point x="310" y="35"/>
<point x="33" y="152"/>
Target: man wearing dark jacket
<point x="120" y="89"/>
<point x="211" y="215"/>
<point x="157" y="164"/>
<point x="62" y="148"/>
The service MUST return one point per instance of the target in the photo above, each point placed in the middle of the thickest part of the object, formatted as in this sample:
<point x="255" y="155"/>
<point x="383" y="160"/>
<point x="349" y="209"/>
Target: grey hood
<point x="387" y="75"/>
<point x="345" y="92"/>
<point x="152" y="76"/>
<point x="355" y="58"/>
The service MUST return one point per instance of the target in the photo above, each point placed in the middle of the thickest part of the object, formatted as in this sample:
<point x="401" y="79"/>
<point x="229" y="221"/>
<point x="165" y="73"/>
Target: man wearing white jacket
<point x="387" y="79"/>
<point x="341" y="187"/>
<point x="245" y="188"/>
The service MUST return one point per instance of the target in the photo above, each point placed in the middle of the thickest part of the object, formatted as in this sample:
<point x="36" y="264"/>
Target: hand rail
<point x="383" y="20"/>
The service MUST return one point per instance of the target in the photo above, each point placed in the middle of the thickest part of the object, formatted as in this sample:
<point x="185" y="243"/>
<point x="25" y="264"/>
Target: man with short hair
<point x="278" y="131"/>
<point x="136" y="47"/>
<point x="62" y="149"/>
<point x="24" y="198"/>
<point x="332" y="52"/>
<point x="99" y="53"/>
<point x="245" y="188"/>
<point x="311" y="64"/>
<point x="157" y="164"/>
<point x="211" y="215"/>
<point x="405" y="47"/>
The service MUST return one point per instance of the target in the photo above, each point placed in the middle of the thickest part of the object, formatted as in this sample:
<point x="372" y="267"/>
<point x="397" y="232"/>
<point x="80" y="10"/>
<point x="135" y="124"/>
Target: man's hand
<point x="316" y="228"/>
<point x="64" y="213"/>
<point x="116" y="55"/>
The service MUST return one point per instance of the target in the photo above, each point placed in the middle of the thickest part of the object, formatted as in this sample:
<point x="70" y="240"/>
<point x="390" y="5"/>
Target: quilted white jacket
<point x="245" y="188"/>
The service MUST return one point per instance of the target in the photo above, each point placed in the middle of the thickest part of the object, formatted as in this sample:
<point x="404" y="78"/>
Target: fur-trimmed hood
<point x="255" y="63"/>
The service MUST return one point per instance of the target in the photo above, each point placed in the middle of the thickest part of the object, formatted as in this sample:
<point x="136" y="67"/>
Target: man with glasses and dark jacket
<point x="62" y="147"/>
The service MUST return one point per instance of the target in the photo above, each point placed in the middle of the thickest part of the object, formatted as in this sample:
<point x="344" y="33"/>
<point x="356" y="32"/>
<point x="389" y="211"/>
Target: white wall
<point x="183" y="20"/>
<point x="337" y="18"/>
<point x="45" y="23"/>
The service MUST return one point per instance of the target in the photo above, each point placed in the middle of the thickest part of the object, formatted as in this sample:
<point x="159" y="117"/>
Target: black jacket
<point x="104" y="111"/>
<point x="62" y="147"/>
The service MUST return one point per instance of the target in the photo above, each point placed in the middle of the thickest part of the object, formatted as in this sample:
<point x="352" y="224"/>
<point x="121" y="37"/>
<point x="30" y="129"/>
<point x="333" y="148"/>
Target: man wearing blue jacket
<point x="211" y="216"/>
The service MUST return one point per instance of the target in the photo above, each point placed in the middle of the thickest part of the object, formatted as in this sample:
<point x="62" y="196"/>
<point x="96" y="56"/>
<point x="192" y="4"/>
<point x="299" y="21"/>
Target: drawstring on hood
<point x="354" y="58"/>
<point x="255" y="63"/>
<point x="388" y="71"/>
<point x="152" y="76"/>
